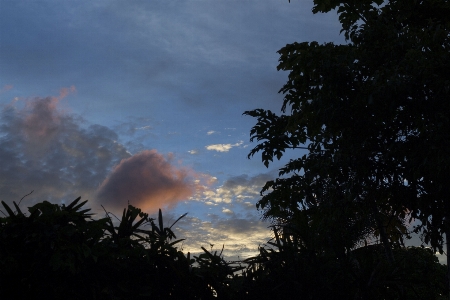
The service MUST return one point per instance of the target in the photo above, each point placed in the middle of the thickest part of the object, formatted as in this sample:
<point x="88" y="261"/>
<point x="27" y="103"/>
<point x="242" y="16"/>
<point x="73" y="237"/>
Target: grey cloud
<point x="134" y="126"/>
<point x="51" y="152"/>
<point x="246" y="181"/>
<point x="241" y="190"/>
<point x="149" y="48"/>
<point x="134" y="132"/>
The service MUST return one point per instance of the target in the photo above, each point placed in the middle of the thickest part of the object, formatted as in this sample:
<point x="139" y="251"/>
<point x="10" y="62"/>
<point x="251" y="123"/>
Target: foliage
<point x="374" y="117"/>
<point x="288" y="267"/>
<point x="60" y="252"/>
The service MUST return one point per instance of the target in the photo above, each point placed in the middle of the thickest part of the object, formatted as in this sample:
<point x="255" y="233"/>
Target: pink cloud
<point x="6" y="88"/>
<point x="146" y="180"/>
<point x="64" y="92"/>
<point x="42" y="118"/>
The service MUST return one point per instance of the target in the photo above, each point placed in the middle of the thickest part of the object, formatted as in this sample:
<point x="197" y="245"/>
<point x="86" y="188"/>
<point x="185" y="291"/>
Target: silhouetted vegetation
<point x="373" y="115"/>
<point x="60" y="252"/>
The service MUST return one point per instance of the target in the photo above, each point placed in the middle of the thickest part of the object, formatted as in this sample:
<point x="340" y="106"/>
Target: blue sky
<point x="142" y="101"/>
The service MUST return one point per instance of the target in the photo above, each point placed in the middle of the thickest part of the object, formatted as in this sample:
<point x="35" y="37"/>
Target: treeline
<point x="59" y="252"/>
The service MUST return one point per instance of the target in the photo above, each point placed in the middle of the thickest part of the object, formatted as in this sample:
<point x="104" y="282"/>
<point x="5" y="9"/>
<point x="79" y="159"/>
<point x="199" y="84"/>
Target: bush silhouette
<point x="60" y="252"/>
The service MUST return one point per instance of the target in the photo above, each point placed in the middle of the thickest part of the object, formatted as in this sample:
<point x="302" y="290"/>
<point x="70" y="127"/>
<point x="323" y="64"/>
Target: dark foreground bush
<point x="60" y="252"/>
<point x="291" y="269"/>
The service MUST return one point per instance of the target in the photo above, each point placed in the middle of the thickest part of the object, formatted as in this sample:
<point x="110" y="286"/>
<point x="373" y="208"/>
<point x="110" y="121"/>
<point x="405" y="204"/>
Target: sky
<point x="141" y="103"/>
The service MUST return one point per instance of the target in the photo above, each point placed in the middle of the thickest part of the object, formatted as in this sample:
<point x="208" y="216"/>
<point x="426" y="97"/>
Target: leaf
<point x="8" y="209"/>
<point x="182" y="216"/>
<point x="86" y="250"/>
<point x="160" y="220"/>
<point x="19" y="212"/>
<point x="73" y="203"/>
<point x="75" y="208"/>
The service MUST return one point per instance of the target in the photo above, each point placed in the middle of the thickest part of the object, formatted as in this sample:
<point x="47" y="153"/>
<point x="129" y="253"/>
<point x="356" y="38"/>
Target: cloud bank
<point x="60" y="156"/>
<point x="52" y="152"/>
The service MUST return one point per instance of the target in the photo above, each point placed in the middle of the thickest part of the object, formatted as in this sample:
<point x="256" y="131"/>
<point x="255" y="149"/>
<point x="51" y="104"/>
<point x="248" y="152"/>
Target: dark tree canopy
<point x="373" y="114"/>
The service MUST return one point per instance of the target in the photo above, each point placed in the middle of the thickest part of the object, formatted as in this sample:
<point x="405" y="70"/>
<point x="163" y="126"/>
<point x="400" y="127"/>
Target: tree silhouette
<point x="374" y="117"/>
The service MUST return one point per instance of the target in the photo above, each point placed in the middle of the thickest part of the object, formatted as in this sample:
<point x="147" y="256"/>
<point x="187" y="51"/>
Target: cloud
<point x="147" y="180"/>
<point x="241" y="189"/>
<point x="442" y="258"/>
<point x="223" y="147"/>
<point x="42" y="121"/>
<point x="6" y="88"/>
<point x="244" y="184"/>
<point x="233" y="224"/>
<point x="54" y="153"/>
<point x="144" y="127"/>
<point x="64" y="92"/>
<point x="135" y="132"/>
<point x="240" y="236"/>
<point x="210" y="132"/>
<point x="60" y="156"/>
<point x="227" y="211"/>
<point x="193" y="152"/>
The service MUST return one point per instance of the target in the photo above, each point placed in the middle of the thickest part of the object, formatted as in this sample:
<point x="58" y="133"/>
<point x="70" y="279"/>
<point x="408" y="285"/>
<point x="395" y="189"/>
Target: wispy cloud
<point x="223" y="147"/>
<point x="143" y="127"/>
<point x="64" y="92"/>
<point x="6" y="88"/>
<point x="210" y="132"/>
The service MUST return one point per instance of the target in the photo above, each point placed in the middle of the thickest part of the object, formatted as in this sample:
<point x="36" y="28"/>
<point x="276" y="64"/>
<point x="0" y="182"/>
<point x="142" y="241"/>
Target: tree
<point x="289" y="269"/>
<point x="374" y="117"/>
